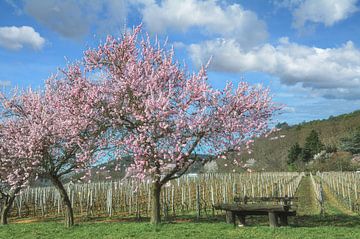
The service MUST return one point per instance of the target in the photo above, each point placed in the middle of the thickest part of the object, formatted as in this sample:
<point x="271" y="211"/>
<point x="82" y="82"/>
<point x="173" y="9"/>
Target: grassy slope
<point x="306" y="204"/>
<point x="272" y="154"/>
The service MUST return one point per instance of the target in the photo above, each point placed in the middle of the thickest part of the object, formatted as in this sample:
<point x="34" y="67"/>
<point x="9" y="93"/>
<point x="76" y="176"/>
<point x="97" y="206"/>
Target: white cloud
<point x="288" y="109"/>
<point x="327" y="12"/>
<point x="210" y="17"/>
<point x="15" y="38"/>
<point x="330" y="72"/>
<point x="74" y="19"/>
<point x="179" y="45"/>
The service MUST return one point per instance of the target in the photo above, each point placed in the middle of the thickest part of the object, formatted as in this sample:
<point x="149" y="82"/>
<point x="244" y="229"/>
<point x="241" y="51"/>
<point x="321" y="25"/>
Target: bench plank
<point x="251" y="207"/>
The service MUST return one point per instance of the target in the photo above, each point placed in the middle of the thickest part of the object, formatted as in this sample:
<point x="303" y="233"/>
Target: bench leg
<point x="230" y="217"/>
<point x="241" y="220"/>
<point x="283" y="220"/>
<point x="273" y="219"/>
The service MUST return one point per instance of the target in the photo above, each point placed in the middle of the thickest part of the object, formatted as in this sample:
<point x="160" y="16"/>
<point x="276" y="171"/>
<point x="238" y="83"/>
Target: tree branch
<point x="170" y="176"/>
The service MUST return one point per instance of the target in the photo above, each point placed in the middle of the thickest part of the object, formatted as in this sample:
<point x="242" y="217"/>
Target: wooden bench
<point x="275" y="200"/>
<point x="278" y="214"/>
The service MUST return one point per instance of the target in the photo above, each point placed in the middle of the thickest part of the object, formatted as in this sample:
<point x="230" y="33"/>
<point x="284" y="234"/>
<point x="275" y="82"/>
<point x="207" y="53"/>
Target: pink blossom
<point x="161" y="115"/>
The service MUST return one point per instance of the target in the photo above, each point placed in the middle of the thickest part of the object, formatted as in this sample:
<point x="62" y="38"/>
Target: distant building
<point x="250" y="163"/>
<point x="211" y="167"/>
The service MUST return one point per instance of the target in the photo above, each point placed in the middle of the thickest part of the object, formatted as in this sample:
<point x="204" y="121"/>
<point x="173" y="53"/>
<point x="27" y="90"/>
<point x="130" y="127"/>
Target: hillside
<point x="103" y="171"/>
<point x="271" y="153"/>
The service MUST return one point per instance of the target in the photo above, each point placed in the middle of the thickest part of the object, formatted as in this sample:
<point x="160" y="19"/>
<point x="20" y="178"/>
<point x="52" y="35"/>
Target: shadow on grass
<point x="251" y="221"/>
<point x="340" y="220"/>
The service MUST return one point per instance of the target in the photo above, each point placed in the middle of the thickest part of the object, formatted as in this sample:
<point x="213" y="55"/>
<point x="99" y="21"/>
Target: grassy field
<point x="338" y="222"/>
<point x="331" y="226"/>
<point x="306" y="204"/>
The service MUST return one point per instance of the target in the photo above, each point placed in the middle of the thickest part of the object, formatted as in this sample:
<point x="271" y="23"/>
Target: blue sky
<point x="306" y="51"/>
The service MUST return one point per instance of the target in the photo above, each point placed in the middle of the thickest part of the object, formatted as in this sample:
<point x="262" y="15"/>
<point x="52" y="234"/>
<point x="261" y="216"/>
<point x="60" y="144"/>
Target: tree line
<point x="317" y="153"/>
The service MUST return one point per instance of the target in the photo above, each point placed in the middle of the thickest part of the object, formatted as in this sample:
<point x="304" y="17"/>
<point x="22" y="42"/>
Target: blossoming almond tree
<point x="15" y="172"/>
<point x="56" y="128"/>
<point x="171" y="115"/>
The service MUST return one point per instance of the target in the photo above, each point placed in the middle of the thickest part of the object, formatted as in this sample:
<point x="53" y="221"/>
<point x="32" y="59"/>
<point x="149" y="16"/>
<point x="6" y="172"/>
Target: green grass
<point x="307" y="204"/>
<point x="302" y="227"/>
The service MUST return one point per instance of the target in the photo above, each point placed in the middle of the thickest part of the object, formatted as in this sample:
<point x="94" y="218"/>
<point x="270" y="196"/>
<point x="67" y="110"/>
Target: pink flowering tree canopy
<point x="55" y="129"/>
<point x="169" y="115"/>
<point x="15" y="171"/>
<point x="17" y="158"/>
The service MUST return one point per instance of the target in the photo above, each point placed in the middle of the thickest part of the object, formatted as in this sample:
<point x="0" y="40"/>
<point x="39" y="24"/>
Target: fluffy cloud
<point x="288" y="109"/>
<point x="327" y="12"/>
<point x="15" y="38"/>
<point x="331" y="72"/>
<point x="210" y="17"/>
<point x="74" y="19"/>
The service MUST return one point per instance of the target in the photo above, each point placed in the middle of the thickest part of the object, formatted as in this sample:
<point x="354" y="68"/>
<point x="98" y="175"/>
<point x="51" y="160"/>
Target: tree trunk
<point x="69" y="214"/>
<point x="5" y="211"/>
<point x="155" y="217"/>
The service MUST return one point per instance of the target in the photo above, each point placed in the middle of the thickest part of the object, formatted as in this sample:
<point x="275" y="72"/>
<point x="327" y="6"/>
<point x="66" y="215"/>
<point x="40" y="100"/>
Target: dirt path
<point x="306" y="204"/>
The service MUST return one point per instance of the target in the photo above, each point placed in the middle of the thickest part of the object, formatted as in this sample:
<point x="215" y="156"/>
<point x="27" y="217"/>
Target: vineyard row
<point x="132" y="198"/>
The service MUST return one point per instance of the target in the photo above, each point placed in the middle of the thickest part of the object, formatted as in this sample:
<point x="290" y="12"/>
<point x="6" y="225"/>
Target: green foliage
<point x="331" y="148"/>
<point x="339" y="161"/>
<point x="294" y="153"/>
<point x="297" y="155"/>
<point x="282" y="125"/>
<point x="351" y="143"/>
<point x="312" y="146"/>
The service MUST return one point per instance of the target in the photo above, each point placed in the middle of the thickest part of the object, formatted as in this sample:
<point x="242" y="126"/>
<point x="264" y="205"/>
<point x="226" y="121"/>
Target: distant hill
<point x="103" y="171"/>
<point x="271" y="153"/>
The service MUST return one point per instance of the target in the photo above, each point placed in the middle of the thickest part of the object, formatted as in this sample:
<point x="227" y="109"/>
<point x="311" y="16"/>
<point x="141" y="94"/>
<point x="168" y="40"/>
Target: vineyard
<point x="191" y="193"/>
<point x="345" y="186"/>
<point x="323" y="203"/>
